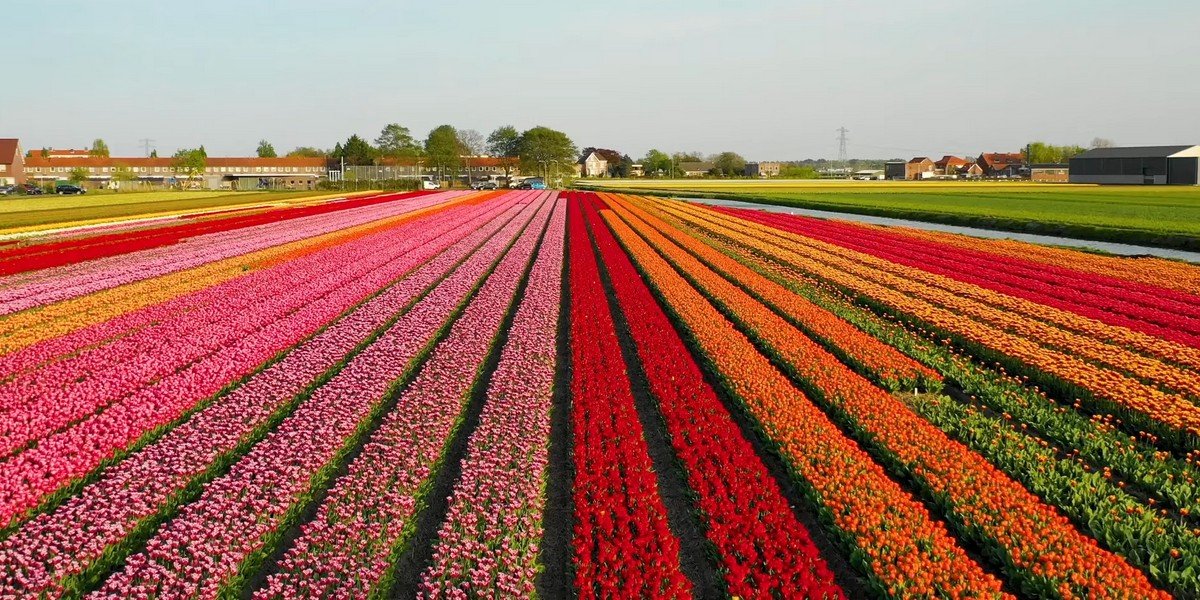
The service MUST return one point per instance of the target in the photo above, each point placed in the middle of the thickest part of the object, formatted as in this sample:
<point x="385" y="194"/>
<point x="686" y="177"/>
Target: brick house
<point x="919" y="167"/>
<point x="763" y="169"/>
<point x="12" y="162"/>
<point x="599" y="162"/>
<point x="950" y="165"/>
<point x="1001" y="164"/>
<point x="235" y="172"/>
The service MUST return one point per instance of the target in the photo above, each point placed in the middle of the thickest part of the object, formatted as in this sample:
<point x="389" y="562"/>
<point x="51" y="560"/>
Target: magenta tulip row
<point x="58" y="458"/>
<point x="54" y="546"/>
<point x="493" y="528"/>
<point x="41" y="287"/>
<point x="362" y="520"/>
<point x="198" y="553"/>
<point x="48" y="399"/>
<point x="34" y="356"/>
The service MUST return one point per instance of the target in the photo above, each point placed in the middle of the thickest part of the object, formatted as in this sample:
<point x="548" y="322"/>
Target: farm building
<point x="1139" y="165"/>
<point x="894" y="169"/>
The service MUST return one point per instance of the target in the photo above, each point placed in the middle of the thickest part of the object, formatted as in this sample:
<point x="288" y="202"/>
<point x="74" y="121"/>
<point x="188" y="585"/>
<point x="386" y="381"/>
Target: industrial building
<point x="1138" y="165"/>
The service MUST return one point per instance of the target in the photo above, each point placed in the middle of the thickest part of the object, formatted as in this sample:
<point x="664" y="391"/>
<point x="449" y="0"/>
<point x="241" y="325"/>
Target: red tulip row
<point x="763" y="548"/>
<point x="491" y="537"/>
<point x="54" y="547"/>
<point x="42" y="256"/>
<point x="892" y="534"/>
<point x="623" y="545"/>
<point x="1177" y="322"/>
<point x="362" y="520"/>
<point x="878" y="360"/>
<point x="1034" y="541"/>
<point x="243" y="514"/>
<point x="1044" y="278"/>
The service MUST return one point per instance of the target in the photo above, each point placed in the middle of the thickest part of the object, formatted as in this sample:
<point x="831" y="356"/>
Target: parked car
<point x="429" y="184"/>
<point x="537" y="184"/>
<point x="8" y="190"/>
<point x="484" y="185"/>
<point x="32" y="190"/>
<point x="68" y="190"/>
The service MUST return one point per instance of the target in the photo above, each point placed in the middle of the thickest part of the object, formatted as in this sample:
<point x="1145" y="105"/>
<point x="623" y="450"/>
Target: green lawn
<point x="30" y="211"/>
<point x="1158" y="215"/>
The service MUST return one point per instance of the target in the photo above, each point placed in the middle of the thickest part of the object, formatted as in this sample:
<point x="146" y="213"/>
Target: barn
<point x="1139" y="165"/>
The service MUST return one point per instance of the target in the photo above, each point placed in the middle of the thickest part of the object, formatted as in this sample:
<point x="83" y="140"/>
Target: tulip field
<point x="578" y="394"/>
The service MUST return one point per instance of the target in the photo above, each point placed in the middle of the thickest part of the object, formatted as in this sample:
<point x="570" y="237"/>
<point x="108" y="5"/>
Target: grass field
<point x="24" y="212"/>
<point x="1159" y="216"/>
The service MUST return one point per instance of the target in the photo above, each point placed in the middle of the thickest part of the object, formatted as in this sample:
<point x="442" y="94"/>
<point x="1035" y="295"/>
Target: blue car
<point x="537" y="184"/>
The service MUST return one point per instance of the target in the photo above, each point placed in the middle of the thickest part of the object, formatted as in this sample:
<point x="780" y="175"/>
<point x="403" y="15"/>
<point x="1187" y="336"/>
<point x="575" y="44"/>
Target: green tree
<point x="396" y="141"/>
<point x="308" y="152"/>
<point x="1041" y="152"/>
<point x="154" y="153"/>
<point x="266" y="150"/>
<point x="356" y="151"/>
<point x="729" y="164"/>
<point x="78" y="175"/>
<point x="658" y="163"/>
<point x="687" y="157"/>
<point x="122" y="175"/>
<point x="189" y="162"/>
<point x="99" y="148"/>
<point x="202" y="151"/>
<point x="505" y="142"/>
<point x="444" y="150"/>
<point x="541" y="147"/>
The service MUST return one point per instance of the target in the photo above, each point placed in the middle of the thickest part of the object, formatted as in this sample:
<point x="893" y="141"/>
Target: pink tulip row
<point x="28" y="358"/>
<point x="491" y="535"/>
<point x="57" y="545"/>
<point x="198" y="553"/>
<point x="37" y="288"/>
<point x="362" y="519"/>
<point x="28" y="476"/>
<point x="55" y="395"/>
<point x="51" y="398"/>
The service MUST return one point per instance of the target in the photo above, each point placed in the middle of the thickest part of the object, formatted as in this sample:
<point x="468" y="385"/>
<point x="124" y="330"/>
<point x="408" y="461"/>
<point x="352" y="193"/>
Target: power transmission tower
<point x="147" y="144"/>
<point x="842" y="158"/>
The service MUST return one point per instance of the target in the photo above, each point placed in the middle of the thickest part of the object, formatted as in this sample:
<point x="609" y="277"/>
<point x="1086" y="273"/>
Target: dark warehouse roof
<point x="1134" y="152"/>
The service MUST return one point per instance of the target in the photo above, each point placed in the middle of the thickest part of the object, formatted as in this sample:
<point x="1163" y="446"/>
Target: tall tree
<point x="1041" y="152"/>
<point x="308" y="152"/>
<point x="443" y="149"/>
<point x="542" y="148"/>
<point x="505" y="142"/>
<point x="154" y="153"/>
<point x="266" y="150"/>
<point x="473" y="144"/>
<point x="356" y="151"/>
<point x="189" y="162"/>
<point x="729" y="164"/>
<point x="1099" y="142"/>
<point x="202" y="151"/>
<point x="658" y="162"/>
<point x="687" y="157"/>
<point x="395" y="141"/>
<point x="99" y="148"/>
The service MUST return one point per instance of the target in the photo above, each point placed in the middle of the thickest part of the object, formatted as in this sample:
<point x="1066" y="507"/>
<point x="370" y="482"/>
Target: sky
<point x="771" y="80"/>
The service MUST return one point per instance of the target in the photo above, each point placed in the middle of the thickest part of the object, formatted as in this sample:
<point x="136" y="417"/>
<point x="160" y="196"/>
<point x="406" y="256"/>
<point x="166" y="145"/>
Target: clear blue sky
<point x="770" y="79"/>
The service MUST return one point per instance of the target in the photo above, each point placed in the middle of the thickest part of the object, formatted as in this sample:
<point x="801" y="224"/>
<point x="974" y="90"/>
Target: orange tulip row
<point x="1151" y="271"/>
<point x="1080" y="335"/>
<point x="23" y="329"/>
<point x="907" y="551"/>
<point x="1040" y="544"/>
<point x="879" y="359"/>
<point x="1120" y="390"/>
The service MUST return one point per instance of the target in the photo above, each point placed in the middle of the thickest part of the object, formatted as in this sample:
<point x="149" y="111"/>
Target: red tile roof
<point x="951" y="162"/>
<point x="918" y="160"/>
<point x="997" y="161"/>
<point x="8" y="150"/>
<point x="37" y="160"/>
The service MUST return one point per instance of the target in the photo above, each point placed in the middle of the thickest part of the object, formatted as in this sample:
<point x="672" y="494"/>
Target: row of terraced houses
<point x="51" y="165"/>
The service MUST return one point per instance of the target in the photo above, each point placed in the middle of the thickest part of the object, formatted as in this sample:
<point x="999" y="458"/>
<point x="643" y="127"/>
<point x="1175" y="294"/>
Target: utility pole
<point x="842" y="158"/>
<point x="146" y="144"/>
